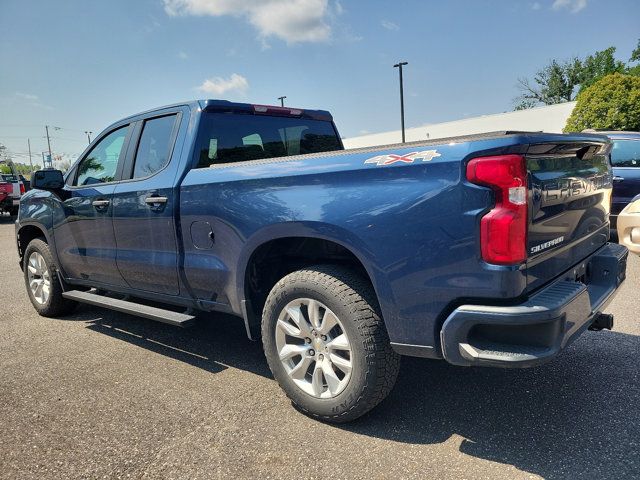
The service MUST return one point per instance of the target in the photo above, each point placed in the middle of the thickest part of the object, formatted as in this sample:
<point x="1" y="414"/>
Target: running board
<point x="132" y="308"/>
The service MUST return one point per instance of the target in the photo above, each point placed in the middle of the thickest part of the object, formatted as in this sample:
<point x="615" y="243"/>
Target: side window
<point x="626" y="153"/>
<point x="100" y="165"/>
<point x="154" y="147"/>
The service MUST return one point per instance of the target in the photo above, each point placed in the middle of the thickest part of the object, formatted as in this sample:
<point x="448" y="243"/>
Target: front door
<point x="143" y="209"/>
<point x="84" y="232"/>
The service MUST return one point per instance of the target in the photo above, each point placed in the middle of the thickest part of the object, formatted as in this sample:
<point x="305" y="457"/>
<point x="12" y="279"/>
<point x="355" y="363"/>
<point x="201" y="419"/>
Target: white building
<point x="551" y="118"/>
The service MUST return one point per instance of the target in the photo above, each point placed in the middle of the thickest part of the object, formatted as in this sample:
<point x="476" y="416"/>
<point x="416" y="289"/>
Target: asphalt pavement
<point x="101" y="394"/>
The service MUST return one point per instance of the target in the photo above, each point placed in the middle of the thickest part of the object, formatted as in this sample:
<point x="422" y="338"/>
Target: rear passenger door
<point x="143" y="208"/>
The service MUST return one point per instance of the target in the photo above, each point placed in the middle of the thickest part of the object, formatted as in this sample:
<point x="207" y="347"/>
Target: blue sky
<point x="81" y="65"/>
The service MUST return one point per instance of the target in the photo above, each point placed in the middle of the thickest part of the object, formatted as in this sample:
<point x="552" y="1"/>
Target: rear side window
<point x="625" y="153"/>
<point x="229" y="138"/>
<point x="154" y="147"/>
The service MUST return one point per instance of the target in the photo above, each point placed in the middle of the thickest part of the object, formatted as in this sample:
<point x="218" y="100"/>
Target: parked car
<point x="625" y="160"/>
<point x="11" y="189"/>
<point x="629" y="225"/>
<point x="485" y="250"/>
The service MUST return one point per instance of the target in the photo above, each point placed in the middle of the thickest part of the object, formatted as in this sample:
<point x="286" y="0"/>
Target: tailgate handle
<point x="618" y="179"/>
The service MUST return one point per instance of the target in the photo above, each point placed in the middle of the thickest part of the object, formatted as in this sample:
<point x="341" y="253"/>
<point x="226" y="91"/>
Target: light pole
<point x="399" y="67"/>
<point x="282" y="100"/>
<point x="88" y="136"/>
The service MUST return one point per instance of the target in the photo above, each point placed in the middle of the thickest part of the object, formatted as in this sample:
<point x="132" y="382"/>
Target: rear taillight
<point x="22" y="190"/>
<point x="503" y="230"/>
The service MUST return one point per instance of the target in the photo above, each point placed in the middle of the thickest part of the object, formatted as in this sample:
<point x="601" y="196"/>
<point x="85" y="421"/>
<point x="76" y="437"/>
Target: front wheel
<point x="326" y="343"/>
<point x="41" y="280"/>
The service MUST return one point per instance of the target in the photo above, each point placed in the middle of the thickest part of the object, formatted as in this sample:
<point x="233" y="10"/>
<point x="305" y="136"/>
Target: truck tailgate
<point x="6" y="189"/>
<point x="570" y="199"/>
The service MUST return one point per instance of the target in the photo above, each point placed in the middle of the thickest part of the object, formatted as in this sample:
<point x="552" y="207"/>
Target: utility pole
<point x="399" y="67"/>
<point x="30" y="161"/>
<point x="46" y="127"/>
<point x="282" y="100"/>
<point x="88" y="136"/>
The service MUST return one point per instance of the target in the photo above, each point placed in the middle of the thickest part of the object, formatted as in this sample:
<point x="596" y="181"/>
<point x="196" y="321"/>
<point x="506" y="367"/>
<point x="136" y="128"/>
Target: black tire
<point x="56" y="305"/>
<point x="374" y="363"/>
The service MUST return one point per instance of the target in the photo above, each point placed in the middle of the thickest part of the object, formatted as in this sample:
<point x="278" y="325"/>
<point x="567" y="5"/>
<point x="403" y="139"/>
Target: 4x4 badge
<point x="391" y="158"/>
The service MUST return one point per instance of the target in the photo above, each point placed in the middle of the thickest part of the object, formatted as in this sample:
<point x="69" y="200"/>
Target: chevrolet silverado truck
<point x="486" y="250"/>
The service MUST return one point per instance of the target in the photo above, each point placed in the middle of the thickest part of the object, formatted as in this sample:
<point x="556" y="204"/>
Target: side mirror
<point x="47" y="180"/>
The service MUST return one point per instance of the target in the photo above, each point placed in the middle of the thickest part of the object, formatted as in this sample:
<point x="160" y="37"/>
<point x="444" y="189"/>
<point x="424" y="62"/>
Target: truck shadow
<point x="210" y="345"/>
<point x="576" y="417"/>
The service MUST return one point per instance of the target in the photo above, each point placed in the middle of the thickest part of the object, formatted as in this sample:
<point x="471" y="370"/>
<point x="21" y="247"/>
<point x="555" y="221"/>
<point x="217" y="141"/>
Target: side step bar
<point x="132" y="308"/>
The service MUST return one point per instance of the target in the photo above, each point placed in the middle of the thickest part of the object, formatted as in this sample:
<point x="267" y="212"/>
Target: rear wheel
<point x="41" y="280"/>
<point x="326" y="343"/>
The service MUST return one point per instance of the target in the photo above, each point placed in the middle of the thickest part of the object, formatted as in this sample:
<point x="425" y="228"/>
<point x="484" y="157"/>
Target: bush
<point x="611" y="103"/>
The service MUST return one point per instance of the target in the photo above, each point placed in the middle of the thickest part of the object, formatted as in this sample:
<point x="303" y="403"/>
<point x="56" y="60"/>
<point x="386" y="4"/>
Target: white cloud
<point x="574" y="6"/>
<point x="219" y="85"/>
<point x="536" y="6"/>
<point x="293" y="21"/>
<point x="32" y="100"/>
<point x="390" y="25"/>
<point x="27" y="96"/>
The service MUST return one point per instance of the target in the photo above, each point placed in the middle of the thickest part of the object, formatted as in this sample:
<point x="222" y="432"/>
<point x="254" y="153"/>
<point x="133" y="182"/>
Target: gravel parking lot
<point x="106" y="395"/>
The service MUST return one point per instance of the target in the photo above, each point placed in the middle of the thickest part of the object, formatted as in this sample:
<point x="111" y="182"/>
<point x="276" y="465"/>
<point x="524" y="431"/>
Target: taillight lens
<point x="22" y="190"/>
<point x="503" y="230"/>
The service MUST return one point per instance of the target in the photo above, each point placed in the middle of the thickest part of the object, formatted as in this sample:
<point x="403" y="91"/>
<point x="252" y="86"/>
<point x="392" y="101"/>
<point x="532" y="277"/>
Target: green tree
<point x="599" y="65"/>
<point x="611" y="103"/>
<point x="635" y="57"/>
<point x="555" y="83"/>
<point x="563" y="81"/>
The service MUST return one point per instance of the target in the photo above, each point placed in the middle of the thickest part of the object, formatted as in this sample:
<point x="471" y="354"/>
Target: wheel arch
<point x="289" y="247"/>
<point x="27" y="232"/>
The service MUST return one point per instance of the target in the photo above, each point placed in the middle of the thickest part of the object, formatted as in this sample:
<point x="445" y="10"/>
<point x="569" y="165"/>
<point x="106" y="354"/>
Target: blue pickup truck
<point x="486" y="250"/>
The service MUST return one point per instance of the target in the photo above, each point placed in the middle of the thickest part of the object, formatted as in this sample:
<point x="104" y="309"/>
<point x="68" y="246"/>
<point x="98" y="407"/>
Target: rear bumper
<point x="537" y="330"/>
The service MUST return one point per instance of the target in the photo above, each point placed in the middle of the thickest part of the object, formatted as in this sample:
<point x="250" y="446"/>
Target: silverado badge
<point x="382" y="160"/>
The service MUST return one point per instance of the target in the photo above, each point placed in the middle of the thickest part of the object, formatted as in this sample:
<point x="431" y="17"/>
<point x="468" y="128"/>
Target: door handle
<point x="100" y="203"/>
<point x="618" y="179"/>
<point x="155" y="200"/>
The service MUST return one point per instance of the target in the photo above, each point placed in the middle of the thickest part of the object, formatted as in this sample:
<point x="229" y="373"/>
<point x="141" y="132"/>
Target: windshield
<point x="626" y="153"/>
<point x="228" y="138"/>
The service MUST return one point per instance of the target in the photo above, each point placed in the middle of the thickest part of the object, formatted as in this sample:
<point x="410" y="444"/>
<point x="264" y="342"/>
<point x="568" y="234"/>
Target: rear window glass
<point x="625" y="153"/>
<point x="154" y="147"/>
<point x="228" y="138"/>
